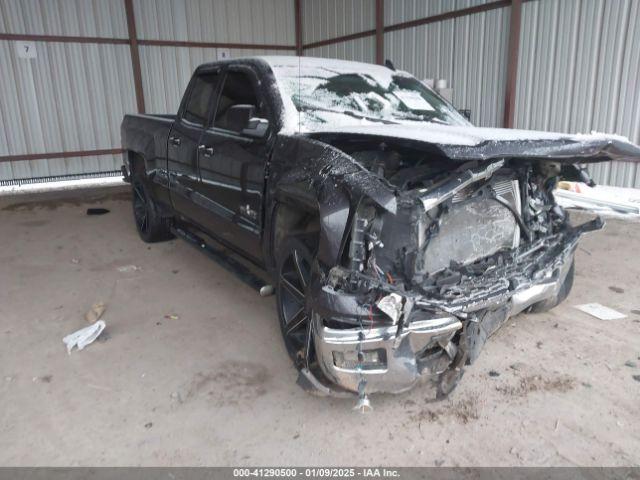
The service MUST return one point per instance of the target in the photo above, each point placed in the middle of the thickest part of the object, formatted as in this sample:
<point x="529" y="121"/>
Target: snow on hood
<point x="466" y="143"/>
<point x="446" y="134"/>
<point x="455" y="141"/>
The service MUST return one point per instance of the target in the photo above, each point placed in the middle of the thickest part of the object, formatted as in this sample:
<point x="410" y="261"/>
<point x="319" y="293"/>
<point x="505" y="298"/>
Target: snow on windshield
<point x="333" y="93"/>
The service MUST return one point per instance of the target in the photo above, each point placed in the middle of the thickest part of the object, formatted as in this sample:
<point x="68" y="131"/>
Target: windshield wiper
<point x="420" y="118"/>
<point x="349" y="113"/>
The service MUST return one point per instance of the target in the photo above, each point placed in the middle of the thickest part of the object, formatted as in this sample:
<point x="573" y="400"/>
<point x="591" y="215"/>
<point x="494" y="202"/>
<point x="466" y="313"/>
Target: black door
<point x="184" y="139"/>
<point x="232" y="166"/>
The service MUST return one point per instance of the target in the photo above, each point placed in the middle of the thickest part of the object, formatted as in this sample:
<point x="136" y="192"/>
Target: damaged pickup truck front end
<point x="438" y="257"/>
<point x="430" y="232"/>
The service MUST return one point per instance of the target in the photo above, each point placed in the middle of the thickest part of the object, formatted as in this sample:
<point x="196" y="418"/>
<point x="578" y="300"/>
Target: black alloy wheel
<point x="140" y="208"/>
<point x="294" y="274"/>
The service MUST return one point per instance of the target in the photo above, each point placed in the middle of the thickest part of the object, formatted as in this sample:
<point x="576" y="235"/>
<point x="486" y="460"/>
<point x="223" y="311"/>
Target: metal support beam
<point x="512" y="64"/>
<point x="380" y="32"/>
<point x="135" y="54"/>
<point x="48" y="155"/>
<point x="298" y="18"/>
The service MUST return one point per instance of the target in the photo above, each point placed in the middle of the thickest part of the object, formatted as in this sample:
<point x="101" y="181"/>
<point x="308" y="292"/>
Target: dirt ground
<point x="191" y="369"/>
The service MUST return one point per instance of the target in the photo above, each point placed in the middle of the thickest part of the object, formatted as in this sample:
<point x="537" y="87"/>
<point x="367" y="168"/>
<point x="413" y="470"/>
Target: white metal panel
<point x="325" y="19"/>
<point x="70" y="97"/>
<point x="400" y="11"/>
<point x="579" y="71"/>
<point x="360" y="50"/>
<point x="166" y="72"/>
<point x="103" y="18"/>
<point x="230" y="21"/>
<point x="470" y="52"/>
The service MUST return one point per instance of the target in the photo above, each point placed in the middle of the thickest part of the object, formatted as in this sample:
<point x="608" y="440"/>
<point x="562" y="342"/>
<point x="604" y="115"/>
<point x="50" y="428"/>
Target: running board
<point x="222" y="258"/>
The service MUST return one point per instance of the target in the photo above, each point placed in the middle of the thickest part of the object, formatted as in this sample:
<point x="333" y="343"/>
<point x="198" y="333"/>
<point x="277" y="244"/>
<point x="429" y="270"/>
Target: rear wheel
<point x="151" y="226"/>
<point x="293" y="276"/>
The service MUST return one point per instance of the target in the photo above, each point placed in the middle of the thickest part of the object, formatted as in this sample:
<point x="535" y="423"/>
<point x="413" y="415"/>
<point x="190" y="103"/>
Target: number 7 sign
<point x="26" y="49"/>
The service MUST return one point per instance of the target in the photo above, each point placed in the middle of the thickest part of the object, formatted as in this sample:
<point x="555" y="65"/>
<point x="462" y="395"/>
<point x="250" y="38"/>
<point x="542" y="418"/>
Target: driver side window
<point x="237" y="90"/>
<point x="201" y="98"/>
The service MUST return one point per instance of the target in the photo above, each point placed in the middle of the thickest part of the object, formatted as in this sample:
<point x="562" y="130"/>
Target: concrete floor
<point x="214" y="386"/>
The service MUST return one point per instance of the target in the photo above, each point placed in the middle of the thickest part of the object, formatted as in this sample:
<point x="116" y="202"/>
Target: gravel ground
<point x="191" y="369"/>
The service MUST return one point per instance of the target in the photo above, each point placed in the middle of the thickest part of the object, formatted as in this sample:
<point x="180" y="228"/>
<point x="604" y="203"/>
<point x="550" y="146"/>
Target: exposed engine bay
<point x="420" y="289"/>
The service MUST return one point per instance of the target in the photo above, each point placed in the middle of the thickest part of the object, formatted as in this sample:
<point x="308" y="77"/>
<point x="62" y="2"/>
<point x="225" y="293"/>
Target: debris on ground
<point x="631" y="364"/>
<point x="83" y="337"/>
<point x="171" y="316"/>
<point x="536" y="383"/>
<point x="493" y="373"/>
<point x="129" y="268"/>
<point x="613" y="288"/>
<point x="517" y="366"/>
<point x="602" y="199"/>
<point x="75" y="261"/>
<point x="97" y="211"/>
<point x="96" y="311"/>
<point x="600" y="311"/>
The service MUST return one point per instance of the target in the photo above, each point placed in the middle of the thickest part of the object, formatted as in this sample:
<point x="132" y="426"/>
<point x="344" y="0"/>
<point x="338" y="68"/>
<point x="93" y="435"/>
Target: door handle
<point x="175" y="141"/>
<point x="206" y="151"/>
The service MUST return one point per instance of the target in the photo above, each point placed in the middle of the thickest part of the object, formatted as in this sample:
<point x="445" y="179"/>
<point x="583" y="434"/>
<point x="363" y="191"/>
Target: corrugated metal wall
<point x="470" y="52"/>
<point x="399" y="11"/>
<point x="324" y="19"/>
<point x="579" y="71"/>
<point x="73" y="96"/>
<point x="166" y="70"/>
<point x="579" y="65"/>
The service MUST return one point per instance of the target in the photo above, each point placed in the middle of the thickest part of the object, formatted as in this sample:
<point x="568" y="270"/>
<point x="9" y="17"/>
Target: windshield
<point x="344" y="93"/>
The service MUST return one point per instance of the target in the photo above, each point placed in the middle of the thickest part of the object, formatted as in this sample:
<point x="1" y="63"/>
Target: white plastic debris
<point x="84" y="336"/>
<point x="128" y="268"/>
<point x="600" y="311"/>
<point x="391" y="305"/>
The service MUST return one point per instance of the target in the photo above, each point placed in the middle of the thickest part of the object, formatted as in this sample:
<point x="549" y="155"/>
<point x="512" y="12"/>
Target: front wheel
<point x="151" y="226"/>
<point x="292" y="286"/>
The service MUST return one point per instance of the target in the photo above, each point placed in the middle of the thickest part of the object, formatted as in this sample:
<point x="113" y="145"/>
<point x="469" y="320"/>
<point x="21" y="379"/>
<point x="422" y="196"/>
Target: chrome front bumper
<point x="392" y="359"/>
<point x="397" y="368"/>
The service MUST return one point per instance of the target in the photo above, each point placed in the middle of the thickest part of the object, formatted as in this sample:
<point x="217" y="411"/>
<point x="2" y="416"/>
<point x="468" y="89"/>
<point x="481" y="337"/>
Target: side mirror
<point x="466" y="113"/>
<point x="240" y="118"/>
<point x="257" y="127"/>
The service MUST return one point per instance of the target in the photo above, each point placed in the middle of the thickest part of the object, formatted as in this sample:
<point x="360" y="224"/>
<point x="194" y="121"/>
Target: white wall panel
<point x="70" y="97"/>
<point x="359" y="50"/>
<point x="400" y="11"/>
<point x="579" y="71"/>
<point x="324" y="19"/>
<point x="470" y="52"/>
<point x="73" y="96"/>
<point x="166" y="72"/>
<point x="230" y="21"/>
<point x="103" y="18"/>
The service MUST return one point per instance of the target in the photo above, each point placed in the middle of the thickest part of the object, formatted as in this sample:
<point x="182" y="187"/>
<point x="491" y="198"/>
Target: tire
<point x="565" y="289"/>
<point x="151" y="226"/>
<point x="293" y="270"/>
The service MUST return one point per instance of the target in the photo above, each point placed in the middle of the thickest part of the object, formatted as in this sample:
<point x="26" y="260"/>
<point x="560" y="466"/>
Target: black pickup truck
<point x="398" y="236"/>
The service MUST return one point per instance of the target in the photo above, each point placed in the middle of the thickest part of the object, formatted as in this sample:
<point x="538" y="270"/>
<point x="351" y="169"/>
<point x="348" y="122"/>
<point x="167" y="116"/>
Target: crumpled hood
<point x="467" y="143"/>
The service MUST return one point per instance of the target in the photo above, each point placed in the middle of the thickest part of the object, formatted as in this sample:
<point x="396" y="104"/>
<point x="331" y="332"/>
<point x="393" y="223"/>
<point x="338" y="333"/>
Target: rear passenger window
<point x="201" y="98"/>
<point x="238" y="90"/>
